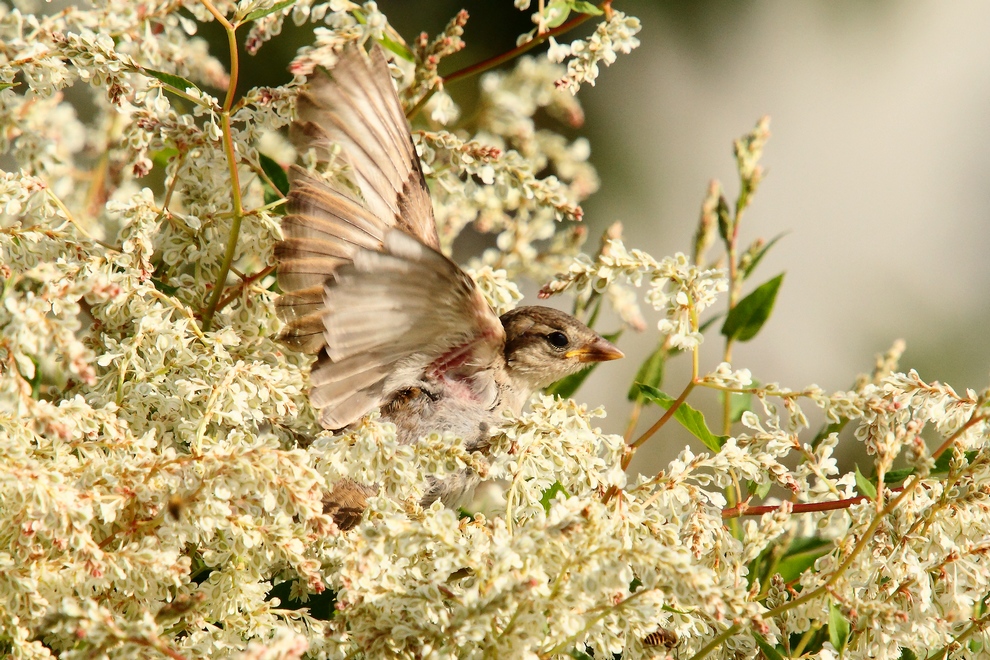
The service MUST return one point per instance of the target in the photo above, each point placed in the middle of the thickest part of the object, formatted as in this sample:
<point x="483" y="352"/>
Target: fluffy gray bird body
<point x="394" y="323"/>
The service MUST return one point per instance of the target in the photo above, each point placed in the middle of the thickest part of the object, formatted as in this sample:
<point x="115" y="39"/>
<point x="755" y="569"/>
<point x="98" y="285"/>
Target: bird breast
<point x="465" y="408"/>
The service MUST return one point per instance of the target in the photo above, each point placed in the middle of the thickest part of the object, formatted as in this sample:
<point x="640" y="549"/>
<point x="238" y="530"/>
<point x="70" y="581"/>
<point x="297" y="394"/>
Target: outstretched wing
<point x="363" y="283"/>
<point x="356" y="107"/>
<point x="394" y="317"/>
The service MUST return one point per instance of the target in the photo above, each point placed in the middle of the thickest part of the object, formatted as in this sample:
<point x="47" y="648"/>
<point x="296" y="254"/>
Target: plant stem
<point x="232" y="48"/>
<point x="250" y="279"/>
<point x="976" y="625"/>
<point x="493" y="62"/>
<point x="746" y="510"/>
<point x="952" y="438"/>
<point x="235" y="193"/>
<point x="72" y="221"/>
<point x="660" y="422"/>
<point x="633" y="419"/>
<point x="715" y="643"/>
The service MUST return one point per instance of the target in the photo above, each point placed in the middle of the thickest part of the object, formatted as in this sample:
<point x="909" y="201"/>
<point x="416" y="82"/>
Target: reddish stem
<point x="493" y="62"/>
<point x="746" y="510"/>
<point x="247" y="281"/>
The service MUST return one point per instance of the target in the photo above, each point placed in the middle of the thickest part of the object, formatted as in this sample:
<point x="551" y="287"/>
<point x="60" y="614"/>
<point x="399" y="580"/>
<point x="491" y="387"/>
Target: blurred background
<point x="878" y="169"/>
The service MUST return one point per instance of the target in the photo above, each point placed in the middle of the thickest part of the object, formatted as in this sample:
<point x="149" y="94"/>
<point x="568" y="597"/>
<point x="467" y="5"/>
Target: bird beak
<point x="600" y="350"/>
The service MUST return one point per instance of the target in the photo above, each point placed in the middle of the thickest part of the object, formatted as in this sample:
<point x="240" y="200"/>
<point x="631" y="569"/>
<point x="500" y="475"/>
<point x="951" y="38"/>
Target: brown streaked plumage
<point x="395" y="324"/>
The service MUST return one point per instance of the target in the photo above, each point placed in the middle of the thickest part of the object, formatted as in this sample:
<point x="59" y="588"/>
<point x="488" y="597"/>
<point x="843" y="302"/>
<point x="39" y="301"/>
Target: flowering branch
<point x="864" y="539"/>
<point x="744" y="509"/>
<point x="164" y="479"/>
<point x="498" y="60"/>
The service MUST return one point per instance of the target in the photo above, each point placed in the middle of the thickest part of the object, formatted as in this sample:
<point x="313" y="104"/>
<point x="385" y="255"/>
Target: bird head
<point x="543" y="345"/>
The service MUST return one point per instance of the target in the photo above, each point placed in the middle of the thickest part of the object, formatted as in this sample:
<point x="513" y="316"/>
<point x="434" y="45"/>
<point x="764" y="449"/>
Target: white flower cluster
<point x="371" y="456"/>
<point x="346" y="21"/>
<point x="162" y="477"/>
<point x="501" y="293"/>
<point x="495" y="182"/>
<point x="676" y="286"/>
<point x="499" y="193"/>
<point x="555" y="444"/>
<point x="616" y="35"/>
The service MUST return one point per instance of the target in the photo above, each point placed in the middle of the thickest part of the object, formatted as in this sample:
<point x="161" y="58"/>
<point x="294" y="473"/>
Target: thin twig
<point x="746" y="510"/>
<point x="493" y="62"/>
<point x="660" y="422"/>
<point x="715" y="643"/>
<point x="247" y="281"/>
<point x="955" y="436"/>
<point x="72" y="221"/>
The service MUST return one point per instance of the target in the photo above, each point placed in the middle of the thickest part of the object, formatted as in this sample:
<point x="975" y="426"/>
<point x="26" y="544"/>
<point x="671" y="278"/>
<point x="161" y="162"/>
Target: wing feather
<point x="397" y="315"/>
<point x="364" y="287"/>
<point x="354" y="106"/>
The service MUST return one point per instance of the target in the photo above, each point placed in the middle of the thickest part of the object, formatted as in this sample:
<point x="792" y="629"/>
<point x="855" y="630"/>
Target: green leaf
<point x="673" y="610"/>
<point x="275" y="172"/>
<point x="908" y="654"/>
<point x="395" y="47"/>
<point x="162" y="157"/>
<point x="688" y="417"/>
<point x="583" y="7"/>
<point x="724" y="219"/>
<point x="35" y="375"/>
<point x="167" y="289"/>
<point x="865" y="486"/>
<point x="739" y="402"/>
<point x="759" y="490"/>
<point x="759" y="255"/>
<point x="806" y="544"/>
<point x="941" y="467"/>
<point x="769" y="651"/>
<point x="563" y="8"/>
<point x="170" y="79"/>
<point x="594" y="312"/>
<point x="579" y="655"/>
<point x="838" y="627"/>
<point x="897" y="476"/>
<point x="568" y="385"/>
<point x="550" y="493"/>
<point x="4" y="86"/>
<point x="650" y="372"/>
<point x="260" y="13"/>
<point x="746" y="318"/>
<point x="801" y="555"/>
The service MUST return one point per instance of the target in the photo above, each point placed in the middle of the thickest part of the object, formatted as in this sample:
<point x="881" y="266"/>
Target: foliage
<point x="162" y="474"/>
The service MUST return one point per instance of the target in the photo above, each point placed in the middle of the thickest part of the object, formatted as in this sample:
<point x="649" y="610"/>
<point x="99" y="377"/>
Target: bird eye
<point x="557" y="339"/>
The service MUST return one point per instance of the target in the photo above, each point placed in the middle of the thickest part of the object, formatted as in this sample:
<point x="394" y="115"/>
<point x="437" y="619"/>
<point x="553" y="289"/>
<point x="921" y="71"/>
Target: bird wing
<point x="354" y="106"/>
<point x="363" y="284"/>
<point x="394" y="318"/>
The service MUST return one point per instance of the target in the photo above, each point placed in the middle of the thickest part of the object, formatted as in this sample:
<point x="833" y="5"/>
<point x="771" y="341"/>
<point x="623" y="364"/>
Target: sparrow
<point x="395" y="325"/>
